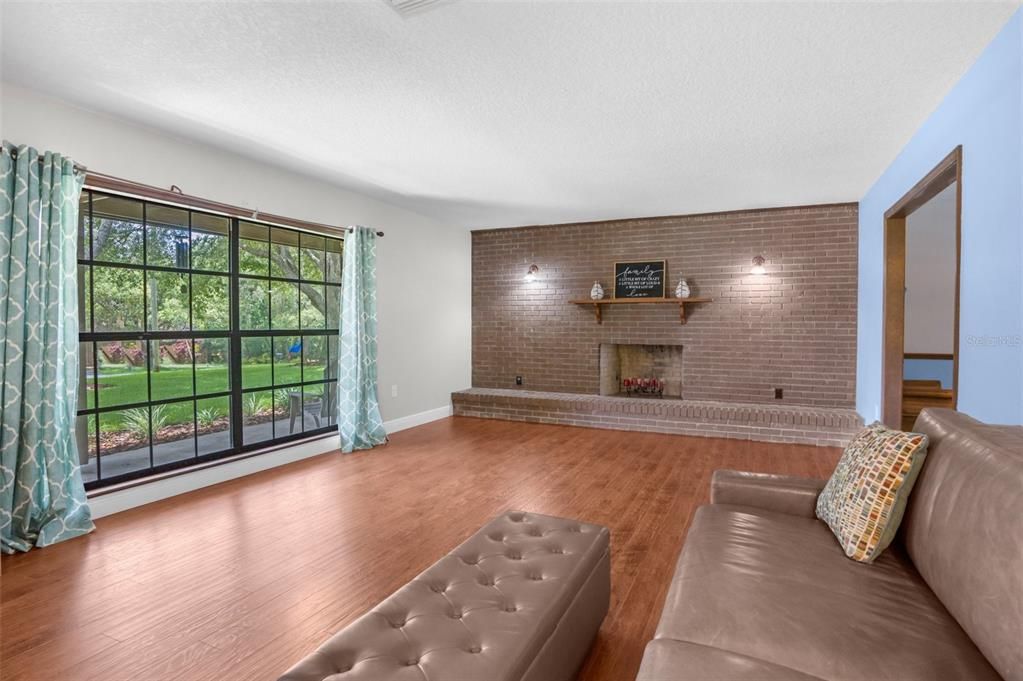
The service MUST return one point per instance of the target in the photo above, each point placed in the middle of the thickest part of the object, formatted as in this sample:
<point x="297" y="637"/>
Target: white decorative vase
<point x="682" y="290"/>
<point x="597" y="292"/>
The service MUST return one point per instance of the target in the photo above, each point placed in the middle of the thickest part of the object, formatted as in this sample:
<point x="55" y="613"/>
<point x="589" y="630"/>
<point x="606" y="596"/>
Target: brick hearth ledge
<point x="762" y="422"/>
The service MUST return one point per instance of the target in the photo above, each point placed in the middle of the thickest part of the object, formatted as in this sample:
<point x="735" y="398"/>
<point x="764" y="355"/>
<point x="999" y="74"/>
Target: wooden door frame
<point x="948" y="171"/>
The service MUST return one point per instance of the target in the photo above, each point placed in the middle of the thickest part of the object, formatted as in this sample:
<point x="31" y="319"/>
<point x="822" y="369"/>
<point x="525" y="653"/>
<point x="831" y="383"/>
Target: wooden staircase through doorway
<point x="917" y="395"/>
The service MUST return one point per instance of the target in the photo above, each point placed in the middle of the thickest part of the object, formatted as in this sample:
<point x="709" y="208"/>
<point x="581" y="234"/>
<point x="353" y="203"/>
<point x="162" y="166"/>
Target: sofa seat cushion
<point x="484" y="611"/>
<point x="778" y="588"/>
<point x="669" y="660"/>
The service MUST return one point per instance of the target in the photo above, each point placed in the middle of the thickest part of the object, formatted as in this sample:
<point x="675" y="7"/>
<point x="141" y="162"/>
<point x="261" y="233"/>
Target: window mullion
<point x="235" y="351"/>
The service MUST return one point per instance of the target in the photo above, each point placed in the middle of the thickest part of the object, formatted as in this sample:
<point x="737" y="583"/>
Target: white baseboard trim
<point x="413" y="420"/>
<point x="163" y="488"/>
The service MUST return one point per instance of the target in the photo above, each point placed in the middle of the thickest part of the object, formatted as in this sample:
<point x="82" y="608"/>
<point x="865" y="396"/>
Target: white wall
<point x="423" y="265"/>
<point x="931" y="274"/>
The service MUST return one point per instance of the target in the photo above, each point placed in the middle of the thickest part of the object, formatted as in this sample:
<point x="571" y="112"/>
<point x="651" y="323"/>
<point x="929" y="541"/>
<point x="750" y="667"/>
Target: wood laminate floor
<point x="238" y="581"/>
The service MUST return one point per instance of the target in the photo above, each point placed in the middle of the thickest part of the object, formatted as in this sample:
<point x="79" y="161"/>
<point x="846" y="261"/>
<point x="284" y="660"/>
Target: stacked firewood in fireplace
<point x="640" y="386"/>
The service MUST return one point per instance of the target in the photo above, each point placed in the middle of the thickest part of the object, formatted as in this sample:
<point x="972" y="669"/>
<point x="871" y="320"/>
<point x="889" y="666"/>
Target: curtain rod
<point x="352" y="229"/>
<point x="77" y="166"/>
<point x="174" y="195"/>
<point x="41" y="158"/>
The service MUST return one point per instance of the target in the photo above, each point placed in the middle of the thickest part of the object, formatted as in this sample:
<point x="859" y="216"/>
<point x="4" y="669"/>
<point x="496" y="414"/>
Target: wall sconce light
<point x="531" y="274"/>
<point x="758" y="265"/>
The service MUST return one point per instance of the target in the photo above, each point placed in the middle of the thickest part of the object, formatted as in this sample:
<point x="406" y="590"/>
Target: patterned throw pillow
<point x="866" y="496"/>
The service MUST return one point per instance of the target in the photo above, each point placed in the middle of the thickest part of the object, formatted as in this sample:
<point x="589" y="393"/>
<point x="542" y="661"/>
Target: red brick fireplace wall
<point x="793" y="328"/>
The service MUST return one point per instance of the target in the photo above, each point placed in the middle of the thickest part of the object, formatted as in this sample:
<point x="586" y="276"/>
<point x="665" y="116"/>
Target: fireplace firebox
<point x="639" y="370"/>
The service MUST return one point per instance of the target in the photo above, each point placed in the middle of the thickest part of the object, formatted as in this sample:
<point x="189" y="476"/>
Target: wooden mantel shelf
<point x="681" y="302"/>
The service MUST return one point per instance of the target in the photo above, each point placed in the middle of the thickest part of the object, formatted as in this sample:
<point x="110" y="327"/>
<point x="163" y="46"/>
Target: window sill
<point x="123" y="496"/>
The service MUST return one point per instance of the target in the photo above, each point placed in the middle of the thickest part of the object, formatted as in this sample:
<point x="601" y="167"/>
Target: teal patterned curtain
<point x="42" y="500"/>
<point x="358" y="412"/>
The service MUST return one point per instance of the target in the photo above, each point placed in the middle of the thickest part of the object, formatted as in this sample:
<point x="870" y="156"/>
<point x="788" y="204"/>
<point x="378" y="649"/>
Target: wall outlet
<point x="518" y="380"/>
<point x="778" y="393"/>
<point x="394" y="390"/>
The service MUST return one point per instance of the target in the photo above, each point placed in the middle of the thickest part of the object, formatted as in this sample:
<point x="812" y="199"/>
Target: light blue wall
<point x="929" y="369"/>
<point x="983" y="113"/>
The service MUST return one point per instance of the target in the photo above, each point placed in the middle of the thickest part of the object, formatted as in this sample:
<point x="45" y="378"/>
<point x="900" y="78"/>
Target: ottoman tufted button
<point x="495" y="537"/>
<point x="557" y="550"/>
<point x="510" y="608"/>
<point x="475" y="649"/>
<point x="412" y="661"/>
<point x="536" y="578"/>
<point x="398" y="624"/>
<point x="472" y="560"/>
<point x="487" y="582"/>
<point x="438" y="588"/>
<point x="515" y="556"/>
<point x="456" y="615"/>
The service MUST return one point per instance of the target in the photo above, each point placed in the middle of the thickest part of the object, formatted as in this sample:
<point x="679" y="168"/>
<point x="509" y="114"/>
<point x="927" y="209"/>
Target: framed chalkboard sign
<point x="640" y="279"/>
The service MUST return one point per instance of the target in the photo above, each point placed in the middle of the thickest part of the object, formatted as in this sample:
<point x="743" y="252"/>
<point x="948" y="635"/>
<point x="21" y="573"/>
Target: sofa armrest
<point x="778" y="493"/>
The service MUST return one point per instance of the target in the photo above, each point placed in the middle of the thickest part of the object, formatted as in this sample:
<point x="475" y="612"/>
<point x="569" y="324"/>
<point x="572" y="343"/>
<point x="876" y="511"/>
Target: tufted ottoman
<point x="520" y="600"/>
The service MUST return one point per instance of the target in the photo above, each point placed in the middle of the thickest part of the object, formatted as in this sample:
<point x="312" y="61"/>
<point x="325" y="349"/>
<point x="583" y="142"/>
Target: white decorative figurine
<point x="682" y="290"/>
<point x="597" y="292"/>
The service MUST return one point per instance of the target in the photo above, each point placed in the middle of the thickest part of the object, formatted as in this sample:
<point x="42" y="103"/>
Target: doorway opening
<point x="922" y="231"/>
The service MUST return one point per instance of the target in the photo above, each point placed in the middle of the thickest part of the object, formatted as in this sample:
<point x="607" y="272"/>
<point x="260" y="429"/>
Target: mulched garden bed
<point x="122" y="441"/>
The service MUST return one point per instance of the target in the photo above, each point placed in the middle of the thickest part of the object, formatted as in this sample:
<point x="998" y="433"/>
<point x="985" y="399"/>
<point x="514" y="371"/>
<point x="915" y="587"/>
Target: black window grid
<point x="148" y="338"/>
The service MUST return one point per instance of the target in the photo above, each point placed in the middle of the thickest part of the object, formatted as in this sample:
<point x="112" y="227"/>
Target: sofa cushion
<point x="778" y="588"/>
<point x="866" y="496"/>
<point x="668" y="660"/>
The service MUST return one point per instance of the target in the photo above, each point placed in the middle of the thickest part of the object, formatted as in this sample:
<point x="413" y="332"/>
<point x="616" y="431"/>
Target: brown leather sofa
<point x="762" y="591"/>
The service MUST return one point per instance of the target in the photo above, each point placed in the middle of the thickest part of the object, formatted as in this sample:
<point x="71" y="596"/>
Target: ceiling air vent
<point x="409" y="7"/>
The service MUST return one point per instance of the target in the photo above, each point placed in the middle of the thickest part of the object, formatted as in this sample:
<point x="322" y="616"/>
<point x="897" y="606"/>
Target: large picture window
<point x="201" y="336"/>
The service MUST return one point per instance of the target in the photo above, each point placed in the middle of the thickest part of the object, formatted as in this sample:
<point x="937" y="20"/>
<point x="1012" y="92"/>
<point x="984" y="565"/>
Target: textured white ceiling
<point x="508" y="113"/>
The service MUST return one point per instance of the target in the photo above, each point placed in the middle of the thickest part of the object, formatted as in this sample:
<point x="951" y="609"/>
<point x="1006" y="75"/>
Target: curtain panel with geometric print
<point x="358" y="410"/>
<point x="42" y="499"/>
